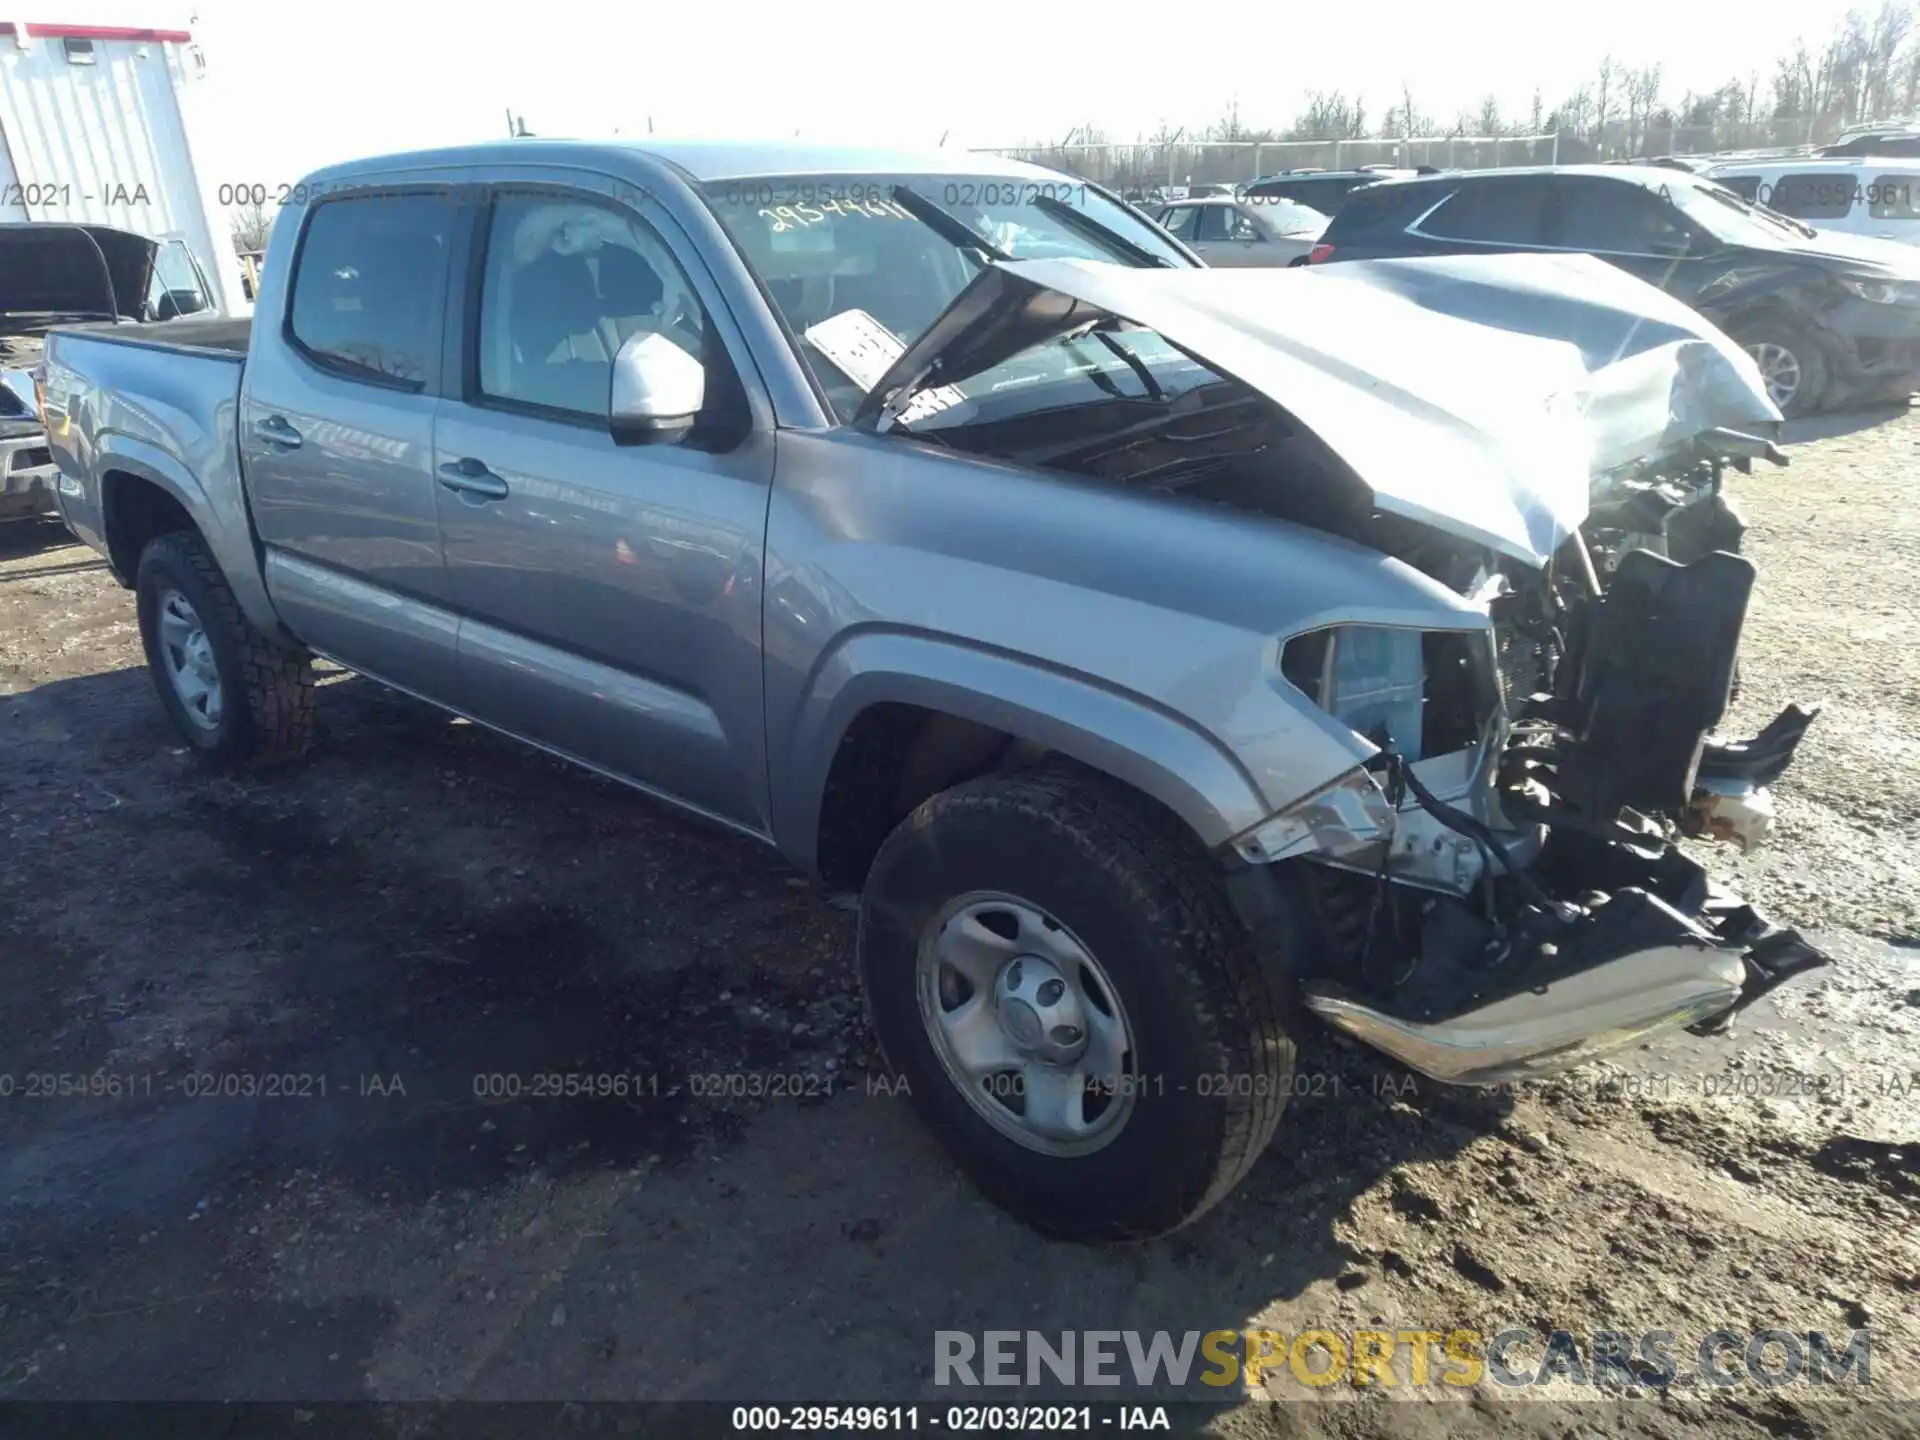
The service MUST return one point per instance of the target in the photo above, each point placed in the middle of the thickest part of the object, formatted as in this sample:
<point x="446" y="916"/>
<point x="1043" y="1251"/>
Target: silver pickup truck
<point x="1170" y="658"/>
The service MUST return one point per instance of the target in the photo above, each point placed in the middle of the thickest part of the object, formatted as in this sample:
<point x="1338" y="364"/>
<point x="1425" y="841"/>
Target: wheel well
<point x="135" y="511"/>
<point x="891" y="758"/>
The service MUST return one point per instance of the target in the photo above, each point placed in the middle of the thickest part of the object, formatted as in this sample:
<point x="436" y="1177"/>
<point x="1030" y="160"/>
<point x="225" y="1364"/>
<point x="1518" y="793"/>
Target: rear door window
<point x="1240" y="225"/>
<point x="1812" y="196"/>
<point x="367" y="286"/>
<point x="1212" y="224"/>
<point x="1890" y="197"/>
<point x="1502" y="213"/>
<point x="1618" y="218"/>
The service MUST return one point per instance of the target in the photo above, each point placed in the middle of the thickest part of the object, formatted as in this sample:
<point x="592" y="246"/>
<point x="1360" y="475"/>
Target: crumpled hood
<point x="1480" y="395"/>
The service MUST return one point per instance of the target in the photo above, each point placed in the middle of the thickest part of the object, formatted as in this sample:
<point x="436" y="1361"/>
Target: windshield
<point x="1726" y="217"/>
<point x="858" y="276"/>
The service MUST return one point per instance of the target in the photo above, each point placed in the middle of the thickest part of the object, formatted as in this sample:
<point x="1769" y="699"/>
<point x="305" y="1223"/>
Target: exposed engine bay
<point x="1515" y="835"/>
<point x="1497" y="888"/>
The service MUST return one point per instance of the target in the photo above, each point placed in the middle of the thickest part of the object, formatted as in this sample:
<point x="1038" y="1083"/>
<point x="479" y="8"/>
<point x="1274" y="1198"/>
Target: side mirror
<point x="658" y="389"/>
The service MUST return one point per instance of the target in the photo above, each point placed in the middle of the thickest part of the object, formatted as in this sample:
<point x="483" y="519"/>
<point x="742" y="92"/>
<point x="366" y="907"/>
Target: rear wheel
<point x="1792" y="365"/>
<point x="1055" y="970"/>
<point x="237" y="696"/>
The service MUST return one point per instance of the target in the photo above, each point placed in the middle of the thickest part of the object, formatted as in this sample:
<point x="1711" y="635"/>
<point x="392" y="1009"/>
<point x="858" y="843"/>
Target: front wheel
<point x="237" y="696"/>
<point x="1793" y="366"/>
<point x="1056" y="972"/>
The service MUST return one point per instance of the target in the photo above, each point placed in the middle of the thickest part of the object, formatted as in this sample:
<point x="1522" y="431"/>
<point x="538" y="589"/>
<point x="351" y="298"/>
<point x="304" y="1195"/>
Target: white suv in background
<point x="1863" y="195"/>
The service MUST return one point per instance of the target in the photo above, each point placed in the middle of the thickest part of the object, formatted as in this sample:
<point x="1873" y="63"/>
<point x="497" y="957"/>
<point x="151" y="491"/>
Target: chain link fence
<point x="1234" y="162"/>
<point x="1148" y="166"/>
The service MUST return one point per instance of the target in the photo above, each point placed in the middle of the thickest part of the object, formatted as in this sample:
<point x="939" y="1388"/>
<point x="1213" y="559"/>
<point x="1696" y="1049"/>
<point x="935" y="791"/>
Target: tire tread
<point x="277" y="679"/>
<point x="1153" y="853"/>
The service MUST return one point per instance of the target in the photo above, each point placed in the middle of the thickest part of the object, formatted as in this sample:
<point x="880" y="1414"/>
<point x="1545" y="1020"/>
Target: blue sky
<point x="291" y="89"/>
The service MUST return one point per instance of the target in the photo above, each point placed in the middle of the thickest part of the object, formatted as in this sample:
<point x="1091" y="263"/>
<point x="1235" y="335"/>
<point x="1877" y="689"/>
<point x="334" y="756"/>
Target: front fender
<point x="1121" y="734"/>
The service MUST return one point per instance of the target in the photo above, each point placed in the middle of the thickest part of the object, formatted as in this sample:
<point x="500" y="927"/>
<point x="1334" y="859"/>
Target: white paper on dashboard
<point x="864" y="350"/>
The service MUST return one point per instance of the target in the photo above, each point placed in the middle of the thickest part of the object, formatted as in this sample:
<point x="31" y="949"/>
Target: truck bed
<point x="217" y="333"/>
<point x="154" y="404"/>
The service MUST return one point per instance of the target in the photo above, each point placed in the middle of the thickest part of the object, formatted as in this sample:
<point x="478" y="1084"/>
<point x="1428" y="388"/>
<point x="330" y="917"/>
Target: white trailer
<point x="96" y="126"/>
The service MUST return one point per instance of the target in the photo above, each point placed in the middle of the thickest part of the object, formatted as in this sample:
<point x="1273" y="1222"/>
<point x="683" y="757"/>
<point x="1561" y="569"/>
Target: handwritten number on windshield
<point x="790" y="217"/>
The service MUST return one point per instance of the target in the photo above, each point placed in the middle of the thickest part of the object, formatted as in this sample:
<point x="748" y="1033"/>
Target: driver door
<point x="609" y="595"/>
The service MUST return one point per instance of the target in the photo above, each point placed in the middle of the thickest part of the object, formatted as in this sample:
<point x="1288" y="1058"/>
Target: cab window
<point x="367" y="283"/>
<point x="566" y="282"/>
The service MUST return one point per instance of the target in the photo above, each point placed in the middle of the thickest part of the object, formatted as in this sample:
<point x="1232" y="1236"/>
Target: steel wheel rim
<point x="1001" y="983"/>
<point x="1779" y="368"/>
<point x="187" y="656"/>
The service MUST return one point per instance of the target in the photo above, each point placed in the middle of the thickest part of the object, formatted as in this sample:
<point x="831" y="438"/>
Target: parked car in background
<point x="1831" y="319"/>
<point x="755" y="507"/>
<point x="1323" y="190"/>
<point x="61" y="275"/>
<point x="1892" y="141"/>
<point x="1878" y="197"/>
<point x="1244" y="232"/>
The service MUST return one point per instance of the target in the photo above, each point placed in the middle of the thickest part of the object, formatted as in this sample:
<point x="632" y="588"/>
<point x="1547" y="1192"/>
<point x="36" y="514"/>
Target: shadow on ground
<point x="309" y="1120"/>
<point x="1851" y="422"/>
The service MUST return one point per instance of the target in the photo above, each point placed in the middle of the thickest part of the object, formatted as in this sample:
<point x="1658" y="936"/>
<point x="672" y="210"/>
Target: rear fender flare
<point x="118" y="453"/>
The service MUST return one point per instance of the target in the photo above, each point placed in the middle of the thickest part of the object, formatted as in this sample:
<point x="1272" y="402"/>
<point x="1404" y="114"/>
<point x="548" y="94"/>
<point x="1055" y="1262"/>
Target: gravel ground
<point x="424" y="916"/>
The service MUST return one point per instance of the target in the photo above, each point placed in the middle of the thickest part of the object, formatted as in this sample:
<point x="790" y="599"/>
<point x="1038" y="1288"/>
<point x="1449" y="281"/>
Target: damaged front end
<point x="1498" y="886"/>
<point x="1520" y="906"/>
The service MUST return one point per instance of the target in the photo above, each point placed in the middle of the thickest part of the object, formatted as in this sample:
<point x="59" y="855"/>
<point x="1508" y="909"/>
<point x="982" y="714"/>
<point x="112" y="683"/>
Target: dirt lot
<point x="424" y="908"/>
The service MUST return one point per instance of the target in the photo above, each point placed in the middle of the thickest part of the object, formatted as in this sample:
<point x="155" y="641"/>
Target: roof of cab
<point x="705" y="160"/>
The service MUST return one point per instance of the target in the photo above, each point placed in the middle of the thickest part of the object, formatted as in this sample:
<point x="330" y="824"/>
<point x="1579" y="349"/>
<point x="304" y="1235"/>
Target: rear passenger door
<point x="609" y="596"/>
<point x="1488" y="216"/>
<point x="336" y="432"/>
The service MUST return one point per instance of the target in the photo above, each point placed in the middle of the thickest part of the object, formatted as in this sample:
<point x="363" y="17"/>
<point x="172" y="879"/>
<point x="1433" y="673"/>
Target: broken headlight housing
<point x="1416" y="692"/>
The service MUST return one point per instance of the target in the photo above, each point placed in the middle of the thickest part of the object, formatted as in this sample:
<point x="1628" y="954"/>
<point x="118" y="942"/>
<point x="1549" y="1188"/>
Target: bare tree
<point x="1643" y="94"/>
<point x="251" y="226"/>
<point x="1884" y="43"/>
<point x="1328" y="116"/>
<point x="1486" y="119"/>
<point x="1602" y="98"/>
<point x="1404" y="120"/>
<point x="1536" y="117"/>
<point x="1576" y="111"/>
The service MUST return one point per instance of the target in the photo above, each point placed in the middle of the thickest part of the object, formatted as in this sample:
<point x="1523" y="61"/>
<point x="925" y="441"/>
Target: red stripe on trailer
<point x="100" y="32"/>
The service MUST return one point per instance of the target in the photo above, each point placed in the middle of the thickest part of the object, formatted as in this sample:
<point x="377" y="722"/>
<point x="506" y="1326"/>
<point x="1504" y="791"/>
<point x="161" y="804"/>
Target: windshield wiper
<point x="1155" y="391"/>
<point x="1740" y="204"/>
<point x="950" y="227"/>
<point x="1087" y="228"/>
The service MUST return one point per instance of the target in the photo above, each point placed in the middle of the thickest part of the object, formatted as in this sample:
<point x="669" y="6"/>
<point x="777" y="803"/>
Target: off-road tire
<point x="1213" y="1055"/>
<point x="268" y="717"/>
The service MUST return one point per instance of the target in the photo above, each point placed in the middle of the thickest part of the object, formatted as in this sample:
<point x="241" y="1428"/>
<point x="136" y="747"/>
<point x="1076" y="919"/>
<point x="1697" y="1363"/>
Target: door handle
<point x="469" y="476"/>
<point x="275" y="430"/>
